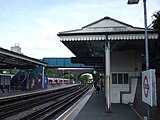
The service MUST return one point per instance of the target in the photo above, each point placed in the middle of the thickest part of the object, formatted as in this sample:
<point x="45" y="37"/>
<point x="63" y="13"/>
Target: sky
<point x="34" y="24"/>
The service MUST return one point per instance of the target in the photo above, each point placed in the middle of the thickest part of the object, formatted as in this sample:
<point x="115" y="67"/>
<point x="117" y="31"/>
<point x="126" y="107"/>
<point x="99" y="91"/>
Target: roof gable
<point x="105" y="24"/>
<point x="108" y="24"/>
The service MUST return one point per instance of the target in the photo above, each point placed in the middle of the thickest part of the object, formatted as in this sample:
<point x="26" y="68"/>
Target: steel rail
<point x="27" y="104"/>
<point x="39" y="114"/>
<point x="49" y="116"/>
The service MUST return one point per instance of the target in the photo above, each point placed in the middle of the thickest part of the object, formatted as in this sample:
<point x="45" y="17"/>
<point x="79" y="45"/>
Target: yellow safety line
<point x="137" y="113"/>
<point x="69" y="113"/>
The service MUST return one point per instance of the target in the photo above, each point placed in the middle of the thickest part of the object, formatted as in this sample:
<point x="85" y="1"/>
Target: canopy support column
<point x="43" y="77"/>
<point x="107" y="76"/>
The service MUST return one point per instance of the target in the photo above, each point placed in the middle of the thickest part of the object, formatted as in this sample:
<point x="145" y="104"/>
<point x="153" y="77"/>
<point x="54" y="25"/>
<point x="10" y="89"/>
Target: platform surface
<point x="94" y="109"/>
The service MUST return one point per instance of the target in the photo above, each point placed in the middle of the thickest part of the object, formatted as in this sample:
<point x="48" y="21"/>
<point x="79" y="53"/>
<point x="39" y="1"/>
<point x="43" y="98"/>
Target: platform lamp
<point x="146" y="40"/>
<point x="133" y="1"/>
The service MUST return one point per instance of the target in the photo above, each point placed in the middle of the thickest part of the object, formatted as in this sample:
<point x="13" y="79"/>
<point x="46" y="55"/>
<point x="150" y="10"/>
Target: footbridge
<point x="67" y="66"/>
<point x="63" y="63"/>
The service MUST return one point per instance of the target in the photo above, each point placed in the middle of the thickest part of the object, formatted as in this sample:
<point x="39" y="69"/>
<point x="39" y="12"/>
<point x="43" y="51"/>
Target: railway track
<point x="49" y="111"/>
<point x="52" y="102"/>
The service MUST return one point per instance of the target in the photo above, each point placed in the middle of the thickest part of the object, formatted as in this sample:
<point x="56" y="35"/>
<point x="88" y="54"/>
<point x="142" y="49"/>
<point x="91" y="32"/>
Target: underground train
<point x="57" y="81"/>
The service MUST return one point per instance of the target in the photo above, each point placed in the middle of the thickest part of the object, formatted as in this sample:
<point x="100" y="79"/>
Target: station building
<point x="125" y="57"/>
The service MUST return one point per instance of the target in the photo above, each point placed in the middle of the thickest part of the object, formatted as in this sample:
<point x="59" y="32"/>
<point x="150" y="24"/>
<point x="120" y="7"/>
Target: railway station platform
<point x="19" y="92"/>
<point x="92" y="107"/>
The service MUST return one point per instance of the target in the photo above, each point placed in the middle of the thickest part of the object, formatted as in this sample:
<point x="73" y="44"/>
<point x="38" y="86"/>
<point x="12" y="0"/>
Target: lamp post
<point x="146" y="33"/>
<point x="146" y="40"/>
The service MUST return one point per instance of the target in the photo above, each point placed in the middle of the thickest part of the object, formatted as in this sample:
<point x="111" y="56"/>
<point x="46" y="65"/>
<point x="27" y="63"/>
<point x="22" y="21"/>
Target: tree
<point x="85" y="78"/>
<point x="9" y="71"/>
<point x="156" y="21"/>
<point x="13" y="71"/>
<point x="156" y="26"/>
<point x="155" y="47"/>
<point x="51" y="72"/>
<point x="68" y="76"/>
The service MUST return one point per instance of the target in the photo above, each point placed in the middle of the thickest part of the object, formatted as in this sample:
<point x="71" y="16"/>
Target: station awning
<point x="88" y="43"/>
<point x="10" y="59"/>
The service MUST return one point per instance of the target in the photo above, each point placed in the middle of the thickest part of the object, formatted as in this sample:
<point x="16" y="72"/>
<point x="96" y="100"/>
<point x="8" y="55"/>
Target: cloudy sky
<point x="34" y="24"/>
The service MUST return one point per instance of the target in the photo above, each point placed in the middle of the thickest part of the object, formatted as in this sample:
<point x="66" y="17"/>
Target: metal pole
<point x="146" y="35"/>
<point x="146" y="48"/>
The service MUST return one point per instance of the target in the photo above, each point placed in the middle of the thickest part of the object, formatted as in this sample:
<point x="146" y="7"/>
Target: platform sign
<point x="149" y="87"/>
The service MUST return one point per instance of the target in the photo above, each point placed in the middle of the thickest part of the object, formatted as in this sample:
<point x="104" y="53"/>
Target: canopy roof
<point x="87" y="44"/>
<point x="10" y="59"/>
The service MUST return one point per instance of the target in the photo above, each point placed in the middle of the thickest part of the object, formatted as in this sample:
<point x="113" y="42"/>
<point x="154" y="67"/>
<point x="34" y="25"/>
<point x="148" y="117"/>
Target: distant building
<point x="16" y="49"/>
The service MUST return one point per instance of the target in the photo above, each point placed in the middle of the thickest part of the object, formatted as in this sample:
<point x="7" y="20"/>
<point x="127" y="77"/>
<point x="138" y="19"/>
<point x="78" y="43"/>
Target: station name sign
<point x="149" y="87"/>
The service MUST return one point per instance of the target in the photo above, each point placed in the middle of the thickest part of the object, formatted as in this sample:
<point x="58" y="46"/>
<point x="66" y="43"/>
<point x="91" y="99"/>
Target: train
<point x="57" y="81"/>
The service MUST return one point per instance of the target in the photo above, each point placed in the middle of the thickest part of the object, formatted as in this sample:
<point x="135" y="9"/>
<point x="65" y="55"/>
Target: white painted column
<point x="43" y="79"/>
<point x="107" y="76"/>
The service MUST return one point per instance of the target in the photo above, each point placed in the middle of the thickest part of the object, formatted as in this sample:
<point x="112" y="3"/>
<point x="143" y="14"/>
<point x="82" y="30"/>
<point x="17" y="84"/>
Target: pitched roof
<point x="105" y="24"/>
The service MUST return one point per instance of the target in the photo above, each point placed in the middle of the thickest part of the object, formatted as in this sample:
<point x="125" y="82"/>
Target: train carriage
<point x="57" y="81"/>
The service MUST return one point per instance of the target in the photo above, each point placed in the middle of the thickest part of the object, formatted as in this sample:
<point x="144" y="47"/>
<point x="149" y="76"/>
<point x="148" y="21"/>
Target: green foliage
<point x="156" y="21"/>
<point x="9" y="71"/>
<point x="1" y="71"/>
<point x="154" y="48"/>
<point x="85" y="78"/>
<point x="51" y="72"/>
<point x="68" y="76"/>
<point x="13" y="71"/>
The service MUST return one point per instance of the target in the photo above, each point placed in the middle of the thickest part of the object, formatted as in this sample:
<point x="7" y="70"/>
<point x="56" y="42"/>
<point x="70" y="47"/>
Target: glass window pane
<point x="125" y="78"/>
<point x="114" y="78"/>
<point x="120" y="81"/>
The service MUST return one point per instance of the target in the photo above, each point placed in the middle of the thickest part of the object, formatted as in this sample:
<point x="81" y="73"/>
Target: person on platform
<point x="97" y="89"/>
<point x="95" y="84"/>
<point x="1" y="87"/>
<point x="101" y="84"/>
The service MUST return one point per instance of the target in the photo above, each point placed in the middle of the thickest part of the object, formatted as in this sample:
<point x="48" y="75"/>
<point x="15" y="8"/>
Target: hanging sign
<point x="149" y="87"/>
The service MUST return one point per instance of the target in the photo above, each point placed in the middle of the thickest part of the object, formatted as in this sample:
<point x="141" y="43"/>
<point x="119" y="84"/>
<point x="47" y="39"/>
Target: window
<point x="125" y="78"/>
<point x="120" y="78"/>
<point x="114" y="78"/>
